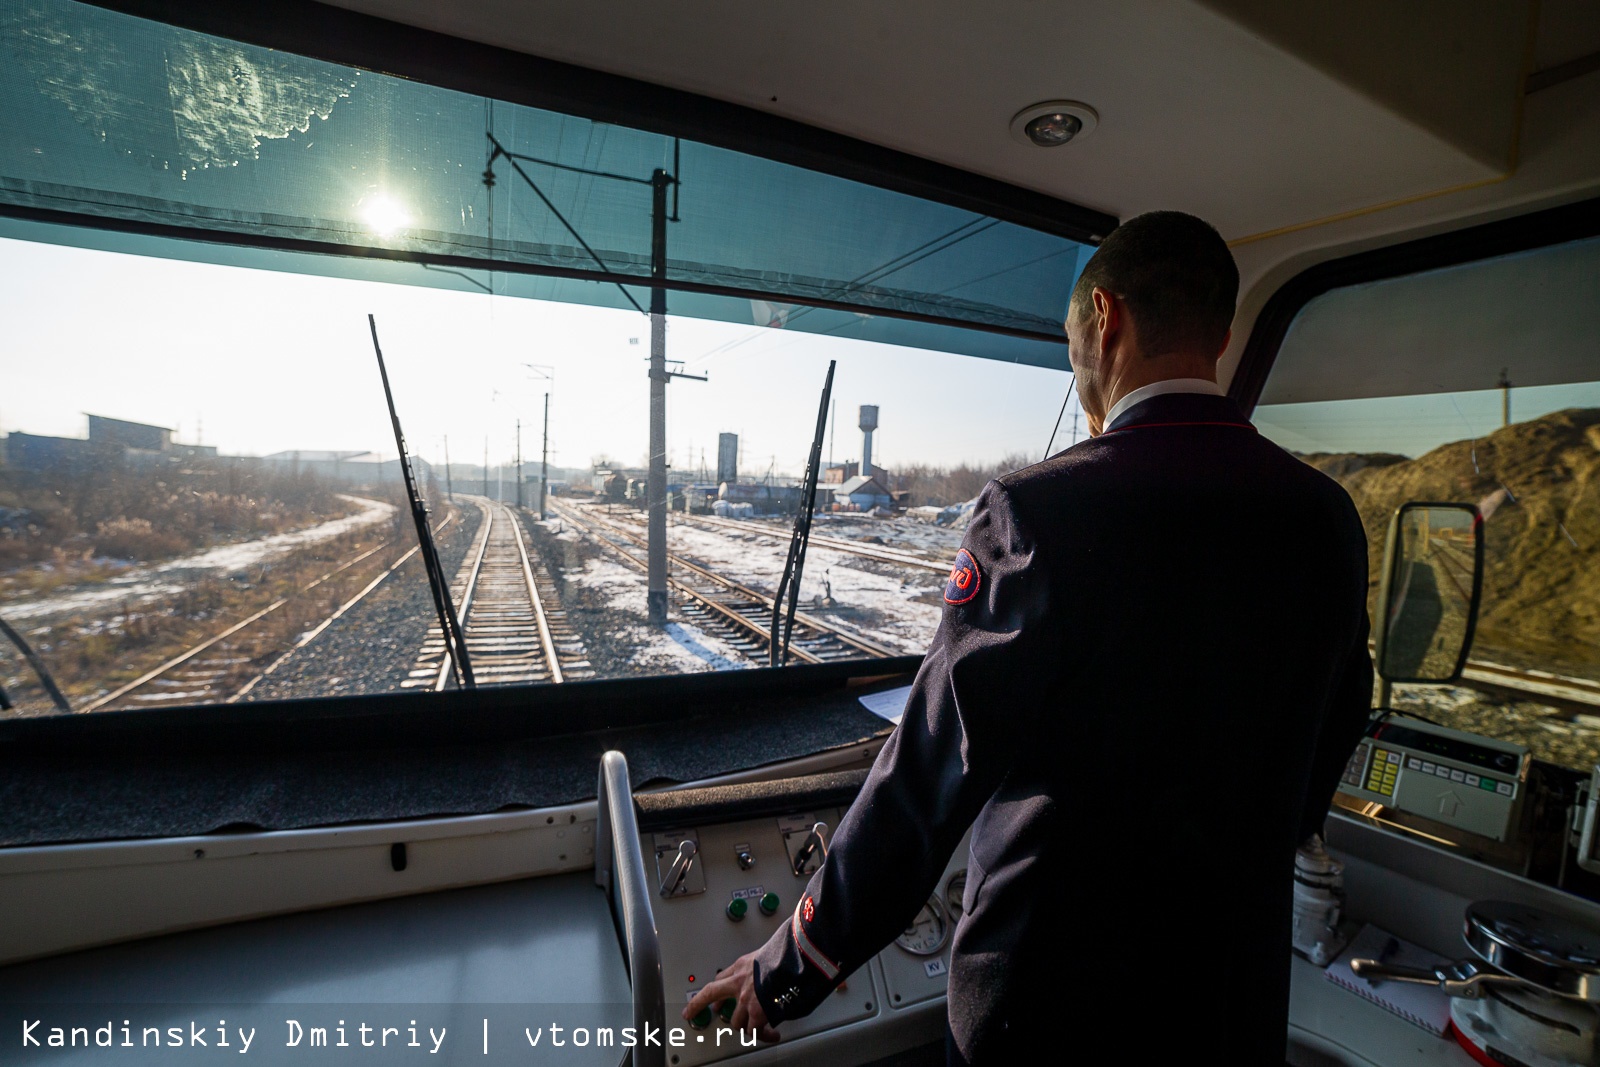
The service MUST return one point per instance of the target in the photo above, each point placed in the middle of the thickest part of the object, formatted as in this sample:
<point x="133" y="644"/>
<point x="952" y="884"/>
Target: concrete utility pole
<point x="544" y="462"/>
<point x="448" y="492"/>
<point x="1505" y="397"/>
<point x="519" y="463"/>
<point x="656" y="480"/>
<point x="485" y="466"/>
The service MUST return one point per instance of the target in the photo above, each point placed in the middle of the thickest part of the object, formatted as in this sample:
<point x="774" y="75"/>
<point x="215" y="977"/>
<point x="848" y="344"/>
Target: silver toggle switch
<point x="746" y="858"/>
<point x="815" y="844"/>
<point x="680" y="867"/>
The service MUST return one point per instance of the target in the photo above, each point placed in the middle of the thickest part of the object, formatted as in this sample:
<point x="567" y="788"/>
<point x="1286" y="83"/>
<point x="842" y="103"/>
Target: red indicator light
<point x="691" y="978"/>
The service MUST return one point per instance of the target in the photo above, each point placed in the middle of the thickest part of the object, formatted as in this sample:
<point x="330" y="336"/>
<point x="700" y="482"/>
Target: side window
<point x="1477" y="383"/>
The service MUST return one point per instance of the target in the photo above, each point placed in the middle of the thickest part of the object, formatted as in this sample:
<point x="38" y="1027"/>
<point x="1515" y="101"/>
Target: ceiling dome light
<point x="1053" y="123"/>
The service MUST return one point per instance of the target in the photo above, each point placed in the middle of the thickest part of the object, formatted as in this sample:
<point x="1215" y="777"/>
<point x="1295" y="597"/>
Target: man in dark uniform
<point x="1150" y="671"/>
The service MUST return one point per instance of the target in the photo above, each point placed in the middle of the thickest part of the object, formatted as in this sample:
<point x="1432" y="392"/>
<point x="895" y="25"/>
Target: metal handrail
<point x="619" y="870"/>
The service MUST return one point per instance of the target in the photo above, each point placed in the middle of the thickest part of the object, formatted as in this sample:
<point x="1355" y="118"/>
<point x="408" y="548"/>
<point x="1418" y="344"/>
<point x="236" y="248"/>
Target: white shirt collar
<point x="1169" y="385"/>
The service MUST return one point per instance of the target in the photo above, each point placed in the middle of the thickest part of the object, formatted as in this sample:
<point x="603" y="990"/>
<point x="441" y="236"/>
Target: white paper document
<point x="889" y="704"/>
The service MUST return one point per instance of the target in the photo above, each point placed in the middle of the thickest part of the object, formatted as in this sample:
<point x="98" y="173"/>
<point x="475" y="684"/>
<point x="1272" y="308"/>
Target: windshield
<point x="1475" y="384"/>
<point x="201" y="500"/>
<point x="202" y="497"/>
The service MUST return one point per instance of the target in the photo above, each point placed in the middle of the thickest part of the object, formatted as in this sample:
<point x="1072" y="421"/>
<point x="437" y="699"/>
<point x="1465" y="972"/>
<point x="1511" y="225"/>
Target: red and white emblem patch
<point x="964" y="579"/>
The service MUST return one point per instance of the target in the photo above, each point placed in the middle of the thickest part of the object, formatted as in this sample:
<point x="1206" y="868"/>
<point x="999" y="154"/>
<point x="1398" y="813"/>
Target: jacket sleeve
<point x="1349" y="706"/>
<point x="956" y="742"/>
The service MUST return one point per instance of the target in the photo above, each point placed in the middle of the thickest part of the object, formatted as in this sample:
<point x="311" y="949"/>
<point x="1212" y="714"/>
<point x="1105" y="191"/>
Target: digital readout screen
<point x="1448" y="747"/>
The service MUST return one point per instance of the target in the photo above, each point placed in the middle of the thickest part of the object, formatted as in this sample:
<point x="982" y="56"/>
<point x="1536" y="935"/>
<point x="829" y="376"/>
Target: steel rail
<point x="317" y="630"/>
<point x="500" y="624"/>
<point x="539" y="616"/>
<point x="1562" y="688"/>
<point x="826" y="630"/>
<point x="478" y="551"/>
<point x="710" y="603"/>
<point x="883" y="555"/>
<point x="184" y="657"/>
<point x="869" y="647"/>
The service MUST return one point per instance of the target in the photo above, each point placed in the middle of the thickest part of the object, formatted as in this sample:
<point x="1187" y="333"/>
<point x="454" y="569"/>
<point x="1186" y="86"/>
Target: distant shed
<point x="864" y="491"/>
<point x="138" y="435"/>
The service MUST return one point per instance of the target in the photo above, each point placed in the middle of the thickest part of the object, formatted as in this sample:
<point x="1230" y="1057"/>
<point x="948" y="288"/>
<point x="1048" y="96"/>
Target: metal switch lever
<point x="680" y="867"/>
<point x="1463" y="978"/>
<point x="815" y="842"/>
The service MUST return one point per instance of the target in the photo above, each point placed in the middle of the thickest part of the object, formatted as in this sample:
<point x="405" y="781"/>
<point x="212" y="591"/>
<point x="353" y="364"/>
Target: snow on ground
<point x="559" y="528"/>
<point x="678" y="648"/>
<point x="898" y="606"/>
<point x="141" y="584"/>
<point x="939" y="542"/>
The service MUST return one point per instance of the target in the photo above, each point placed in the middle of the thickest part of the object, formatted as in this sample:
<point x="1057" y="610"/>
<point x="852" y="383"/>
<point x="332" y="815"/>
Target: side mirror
<point x="1432" y="582"/>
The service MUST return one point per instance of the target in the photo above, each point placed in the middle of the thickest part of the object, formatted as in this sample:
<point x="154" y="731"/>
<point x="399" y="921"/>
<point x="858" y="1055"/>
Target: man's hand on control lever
<point x="738" y="981"/>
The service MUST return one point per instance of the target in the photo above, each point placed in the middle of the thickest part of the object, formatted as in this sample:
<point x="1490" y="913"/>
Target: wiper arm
<point x="39" y="668"/>
<point x="800" y="540"/>
<point x="455" y="642"/>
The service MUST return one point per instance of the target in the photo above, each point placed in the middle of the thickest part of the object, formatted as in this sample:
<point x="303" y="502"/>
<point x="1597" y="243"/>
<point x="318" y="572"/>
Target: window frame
<point x="335" y="35"/>
<point x="1520" y="233"/>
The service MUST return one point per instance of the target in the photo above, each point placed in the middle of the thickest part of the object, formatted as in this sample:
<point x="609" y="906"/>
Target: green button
<point x="1484" y="783"/>
<point x="737" y="907"/>
<point x="703" y="1020"/>
<point x="769" y="903"/>
<point x="725" y="1009"/>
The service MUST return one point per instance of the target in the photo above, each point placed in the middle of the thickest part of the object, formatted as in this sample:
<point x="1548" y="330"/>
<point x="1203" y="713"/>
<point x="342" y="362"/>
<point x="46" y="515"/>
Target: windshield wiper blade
<point x="455" y="642"/>
<point x="800" y="540"/>
<point x="39" y="668"/>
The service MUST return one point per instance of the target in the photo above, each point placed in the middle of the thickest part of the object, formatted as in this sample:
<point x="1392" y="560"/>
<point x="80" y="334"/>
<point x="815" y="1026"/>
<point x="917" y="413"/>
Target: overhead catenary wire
<point x="878" y="273"/>
<point x="1057" y="428"/>
<point x="516" y="165"/>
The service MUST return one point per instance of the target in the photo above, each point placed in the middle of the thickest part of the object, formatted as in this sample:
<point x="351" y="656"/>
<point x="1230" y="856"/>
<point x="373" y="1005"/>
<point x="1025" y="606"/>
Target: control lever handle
<point x="816" y="842"/>
<point x="680" y="867"/>
<point x="1375" y="972"/>
<point x="1464" y="978"/>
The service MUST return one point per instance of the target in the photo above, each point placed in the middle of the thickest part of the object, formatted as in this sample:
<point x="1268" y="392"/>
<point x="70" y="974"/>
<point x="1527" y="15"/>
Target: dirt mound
<point x="1343" y="464"/>
<point x="1538" y="483"/>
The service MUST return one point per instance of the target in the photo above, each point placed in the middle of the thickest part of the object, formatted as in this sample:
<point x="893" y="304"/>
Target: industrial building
<point x="108" y="438"/>
<point x="347" y="467"/>
<point x="863" y="493"/>
<point x="140" y="443"/>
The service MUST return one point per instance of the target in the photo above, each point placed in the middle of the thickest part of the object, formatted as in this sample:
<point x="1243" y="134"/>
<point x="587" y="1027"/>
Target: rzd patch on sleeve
<point x="964" y="579"/>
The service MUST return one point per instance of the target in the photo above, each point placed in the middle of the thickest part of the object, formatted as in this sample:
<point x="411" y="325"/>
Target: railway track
<point x="882" y="554"/>
<point x="1580" y="695"/>
<point x="516" y="633"/>
<point x="213" y="670"/>
<point x="1576" y="694"/>
<point x="738" y="613"/>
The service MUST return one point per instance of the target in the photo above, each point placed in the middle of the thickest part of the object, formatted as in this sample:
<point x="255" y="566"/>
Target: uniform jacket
<point x="1150" y="670"/>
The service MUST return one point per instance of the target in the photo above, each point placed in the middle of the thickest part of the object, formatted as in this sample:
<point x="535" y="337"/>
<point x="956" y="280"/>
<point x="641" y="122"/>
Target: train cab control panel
<point x="727" y="874"/>
<point x="1462" y="780"/>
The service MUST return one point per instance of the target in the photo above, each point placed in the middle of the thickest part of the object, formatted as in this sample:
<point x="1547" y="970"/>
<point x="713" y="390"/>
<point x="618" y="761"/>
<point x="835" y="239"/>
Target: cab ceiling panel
<point x="144" y="127"/>
<point x="1255" y="114"/>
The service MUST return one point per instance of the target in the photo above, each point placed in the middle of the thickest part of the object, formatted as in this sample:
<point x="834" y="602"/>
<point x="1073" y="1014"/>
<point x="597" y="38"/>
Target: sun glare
<point x="384" y="215"/>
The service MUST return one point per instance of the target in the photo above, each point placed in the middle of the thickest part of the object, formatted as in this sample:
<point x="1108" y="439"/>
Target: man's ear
<point x="1107" y="316"/>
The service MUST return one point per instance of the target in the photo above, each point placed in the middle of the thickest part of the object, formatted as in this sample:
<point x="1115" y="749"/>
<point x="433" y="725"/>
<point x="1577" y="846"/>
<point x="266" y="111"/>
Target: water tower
<point x="869" y="422"/>
<point x="727" y="458"/>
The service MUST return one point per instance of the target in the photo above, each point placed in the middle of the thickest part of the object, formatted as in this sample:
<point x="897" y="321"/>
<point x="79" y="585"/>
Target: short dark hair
<point x="1176" y="275"/>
